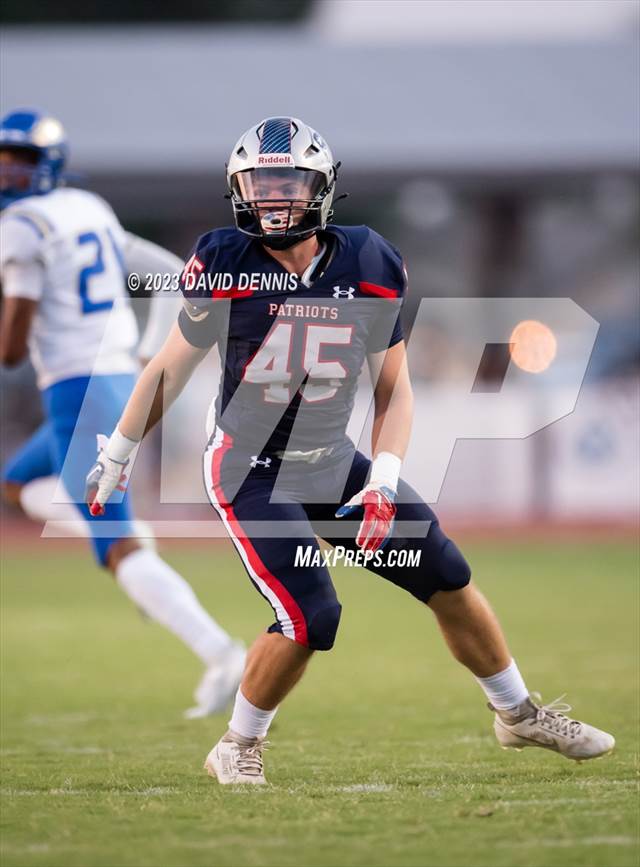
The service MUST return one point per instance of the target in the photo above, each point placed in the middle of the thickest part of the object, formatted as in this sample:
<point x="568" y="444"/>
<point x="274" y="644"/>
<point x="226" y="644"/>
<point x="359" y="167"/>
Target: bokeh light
<point x="532" y="346"/>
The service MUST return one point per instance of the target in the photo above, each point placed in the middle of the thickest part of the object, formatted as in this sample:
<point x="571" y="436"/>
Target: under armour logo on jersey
<point x="256" y="462"/>
<point x="344" y="293"/>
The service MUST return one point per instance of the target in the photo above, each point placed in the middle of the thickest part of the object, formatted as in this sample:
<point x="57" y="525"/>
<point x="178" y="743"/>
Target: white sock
<point x="167" y="598"/>
<point x="506" y="689"/>
<point x="36" y="498"/>
<point x="250" y="721"/>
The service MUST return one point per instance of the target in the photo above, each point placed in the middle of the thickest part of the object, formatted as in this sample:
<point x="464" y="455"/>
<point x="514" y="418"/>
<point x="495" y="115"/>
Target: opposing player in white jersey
<point x="63" y="261"/>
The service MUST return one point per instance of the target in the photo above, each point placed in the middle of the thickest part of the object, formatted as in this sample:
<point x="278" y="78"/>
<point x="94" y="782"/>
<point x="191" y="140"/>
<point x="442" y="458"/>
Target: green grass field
<point x="383" y="756"/>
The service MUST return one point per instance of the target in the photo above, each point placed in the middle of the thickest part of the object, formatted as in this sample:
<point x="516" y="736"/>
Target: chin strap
<point x="286" y="242"/>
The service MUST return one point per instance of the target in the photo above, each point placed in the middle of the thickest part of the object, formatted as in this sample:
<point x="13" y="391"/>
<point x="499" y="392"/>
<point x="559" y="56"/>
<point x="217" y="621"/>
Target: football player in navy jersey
<point x="309" y="304"/>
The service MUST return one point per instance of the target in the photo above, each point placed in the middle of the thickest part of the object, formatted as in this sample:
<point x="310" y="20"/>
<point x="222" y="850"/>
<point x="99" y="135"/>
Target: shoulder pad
<point x="219" y="242"/>
<point x="381" y="267"/>
<point x="28" y="216"/>
<point x="212" y="251"/>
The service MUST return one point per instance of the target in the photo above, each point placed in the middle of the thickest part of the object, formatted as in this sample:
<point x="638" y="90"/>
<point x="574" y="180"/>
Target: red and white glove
<point x="110" y="472"/>
<point x="378" y="501"/>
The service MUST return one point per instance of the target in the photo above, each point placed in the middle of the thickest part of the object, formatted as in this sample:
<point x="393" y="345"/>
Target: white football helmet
<point x="281" y="178"/>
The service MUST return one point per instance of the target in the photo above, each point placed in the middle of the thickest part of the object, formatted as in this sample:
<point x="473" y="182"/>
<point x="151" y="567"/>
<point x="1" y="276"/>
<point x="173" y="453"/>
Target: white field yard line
<point x="81" y="751"/>
<point x="570" y="842"/>
<point x="155" y="791"/>
<point x="219" y="841"/>
<point x="623" y="784"/>
<point x="355" y="789"/>
<point x="28" y="848"/>
<point x="541" y="802"/>
<point x="150" y="792"/>
<point x="76" y="751"/>
<point x="63" y="719"/>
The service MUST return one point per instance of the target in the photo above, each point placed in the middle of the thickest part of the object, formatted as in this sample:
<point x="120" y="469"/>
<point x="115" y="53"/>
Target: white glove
<point x="108" y="474"/>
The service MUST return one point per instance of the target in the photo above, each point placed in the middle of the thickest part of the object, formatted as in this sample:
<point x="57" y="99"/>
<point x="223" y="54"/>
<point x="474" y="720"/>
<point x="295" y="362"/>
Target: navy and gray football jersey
<point x="291" y="351"/>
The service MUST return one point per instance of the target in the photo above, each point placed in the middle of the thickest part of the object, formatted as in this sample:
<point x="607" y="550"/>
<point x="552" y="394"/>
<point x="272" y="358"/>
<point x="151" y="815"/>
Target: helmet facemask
<point x="281" y="206"/>
<point x="18" y="171"/>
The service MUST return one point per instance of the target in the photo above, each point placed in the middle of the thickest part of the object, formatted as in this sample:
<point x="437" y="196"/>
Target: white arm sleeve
<point x="145" y="257"/>
<point x="21" y="262"/>
<point x="23" y="280"/>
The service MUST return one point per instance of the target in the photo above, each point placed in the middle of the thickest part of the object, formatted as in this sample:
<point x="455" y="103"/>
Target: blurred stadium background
<point x="498" y="151"/>
<point x="497" y="145"/>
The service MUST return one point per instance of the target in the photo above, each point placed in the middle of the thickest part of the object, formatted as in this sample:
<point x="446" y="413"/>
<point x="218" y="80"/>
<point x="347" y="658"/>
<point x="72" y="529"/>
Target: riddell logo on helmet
<point x="275" y="160"/>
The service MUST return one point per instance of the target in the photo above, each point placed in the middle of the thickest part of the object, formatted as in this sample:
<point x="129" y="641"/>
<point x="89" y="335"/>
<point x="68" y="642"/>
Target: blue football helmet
<point x="44" y="139"/>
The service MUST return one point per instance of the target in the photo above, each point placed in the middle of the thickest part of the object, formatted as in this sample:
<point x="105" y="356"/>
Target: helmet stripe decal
<point x="276" y="136"/>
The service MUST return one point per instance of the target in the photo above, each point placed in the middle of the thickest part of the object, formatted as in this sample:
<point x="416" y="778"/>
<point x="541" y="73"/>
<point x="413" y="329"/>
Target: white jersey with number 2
<point x="84" y="323"/>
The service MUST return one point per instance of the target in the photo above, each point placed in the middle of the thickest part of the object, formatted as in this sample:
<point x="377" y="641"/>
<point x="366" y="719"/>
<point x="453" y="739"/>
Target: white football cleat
<point x="538" y="725"/>
<point x="237" y="760"/>
<point x="219" y="683"/>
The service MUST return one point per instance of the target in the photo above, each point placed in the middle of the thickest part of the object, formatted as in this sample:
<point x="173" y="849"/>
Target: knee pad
<point x="323" y="626"/>
<point x="453" y="570"/>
